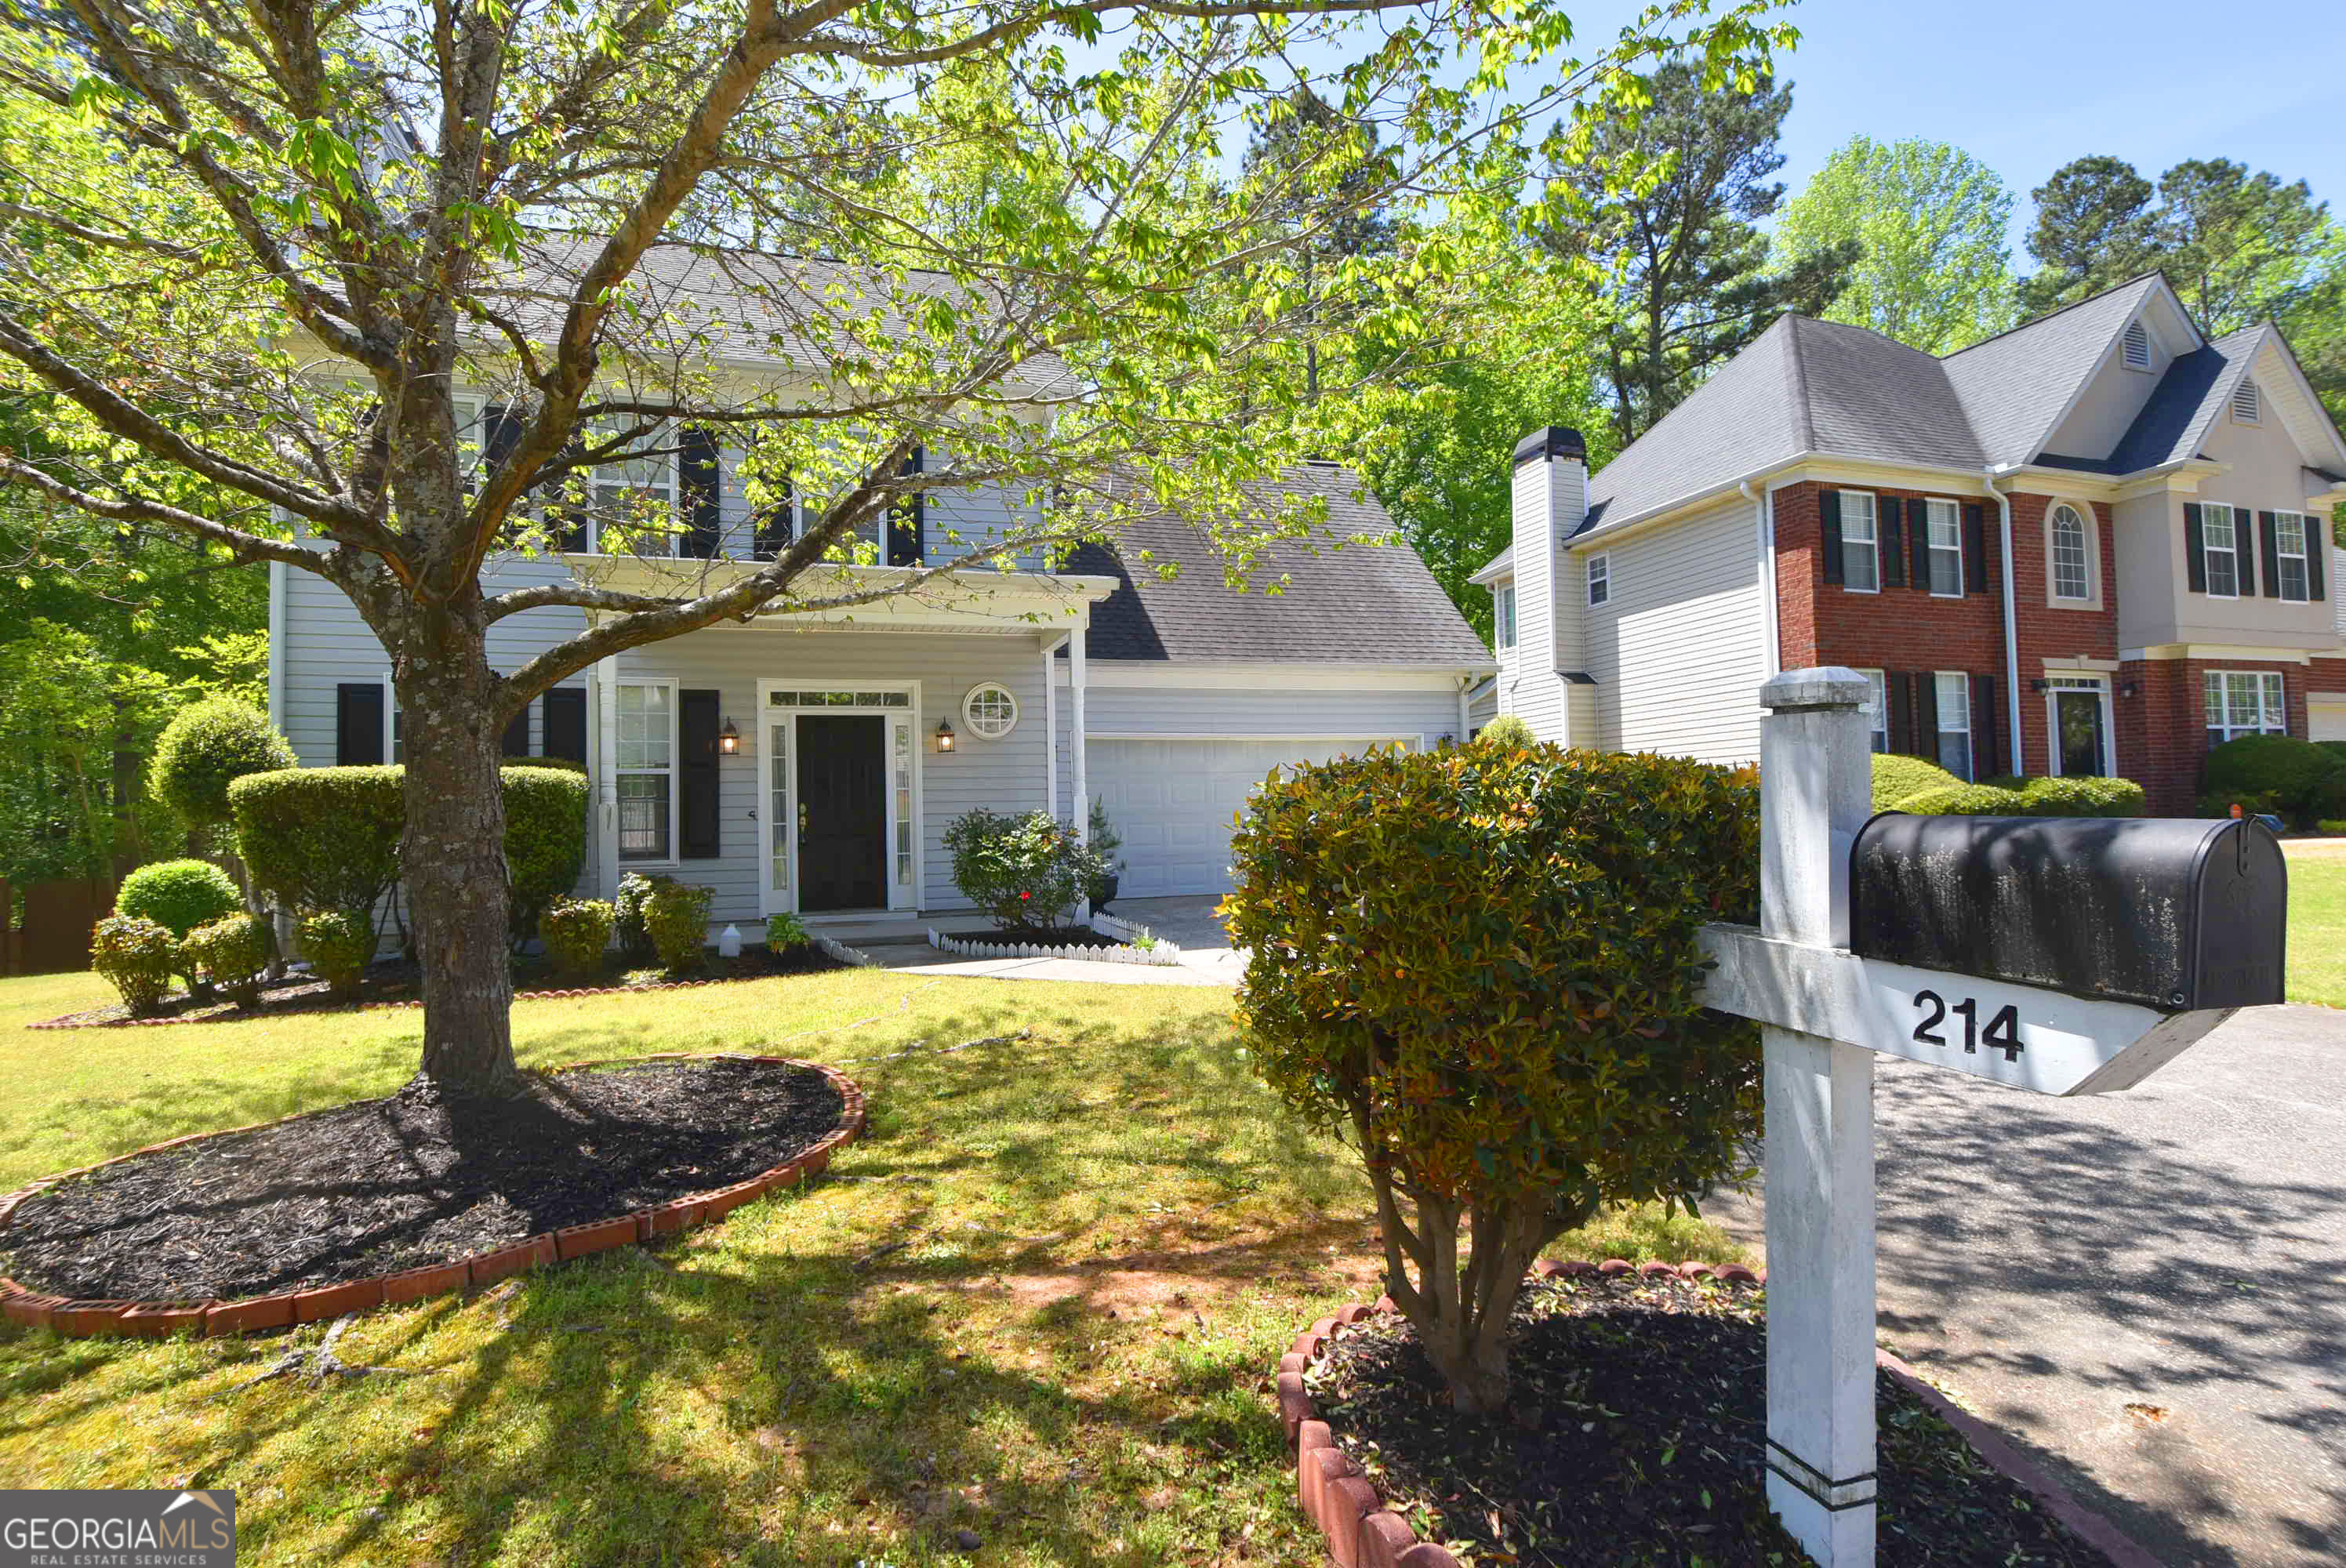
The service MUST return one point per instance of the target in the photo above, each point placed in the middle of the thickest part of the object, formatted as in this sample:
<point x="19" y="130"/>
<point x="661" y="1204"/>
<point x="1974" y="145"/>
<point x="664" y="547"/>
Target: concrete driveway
<point x="2148" y="1288"/>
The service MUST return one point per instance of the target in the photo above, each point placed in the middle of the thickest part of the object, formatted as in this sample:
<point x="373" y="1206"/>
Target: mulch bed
<point x="1635" y="1433"/>
<point x="397" y="980"/>
<point x="412" y="1179"/>
<point x="1068" y="936"/>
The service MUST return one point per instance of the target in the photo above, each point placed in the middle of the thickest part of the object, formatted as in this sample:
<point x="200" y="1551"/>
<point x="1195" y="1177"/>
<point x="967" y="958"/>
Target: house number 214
<point x="2003" y="1031"/>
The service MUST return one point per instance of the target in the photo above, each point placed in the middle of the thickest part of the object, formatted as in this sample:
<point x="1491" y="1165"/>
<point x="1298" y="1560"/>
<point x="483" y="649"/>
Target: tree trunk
<point x="453" y="861"/>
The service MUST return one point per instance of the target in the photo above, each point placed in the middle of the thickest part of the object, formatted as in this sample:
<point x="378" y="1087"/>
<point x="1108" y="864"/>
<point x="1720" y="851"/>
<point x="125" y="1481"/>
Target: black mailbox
<point x="2168" y="912"/>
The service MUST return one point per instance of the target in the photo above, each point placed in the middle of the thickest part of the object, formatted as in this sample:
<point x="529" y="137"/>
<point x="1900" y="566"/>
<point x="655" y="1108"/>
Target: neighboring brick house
<point x="2094" y="544"/>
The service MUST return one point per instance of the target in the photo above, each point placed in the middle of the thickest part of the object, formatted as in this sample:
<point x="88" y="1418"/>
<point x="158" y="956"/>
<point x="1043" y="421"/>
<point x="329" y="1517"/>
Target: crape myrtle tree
<point x="264" y="253"/>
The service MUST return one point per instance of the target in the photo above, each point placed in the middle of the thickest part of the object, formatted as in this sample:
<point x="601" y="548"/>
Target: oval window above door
<point x="990" y="710"/>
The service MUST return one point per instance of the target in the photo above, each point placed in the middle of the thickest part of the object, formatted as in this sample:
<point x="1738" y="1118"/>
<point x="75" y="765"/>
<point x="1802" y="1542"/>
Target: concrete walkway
<point x="1189" y="924"/>
<point x="2148" y="1288"/>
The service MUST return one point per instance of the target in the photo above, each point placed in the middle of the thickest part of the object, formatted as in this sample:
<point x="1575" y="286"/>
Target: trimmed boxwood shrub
<point x="137" y="956"/>
<point x="1479" y="966"/>
<point x="207" y="746"/>
<point x="1960" y="800"/>
<point x="339" y="945"/>
<point x="2083" y="797"/>
<point x="1895" y="777"/>
<point x="179" y="895"/>
<point x="1028" y="871"/>
<point x="231" y="952"/>
<point x="320" y="838"/>
<point x="2300" y="779"/>
<point x="1507" y="731"/>
<point x="577" y="934"/>
<point x="676" y="917"/>
<point x="546" y="838"/>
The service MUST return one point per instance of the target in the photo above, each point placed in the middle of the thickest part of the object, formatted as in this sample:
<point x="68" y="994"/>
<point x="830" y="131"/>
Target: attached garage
<point x="2325" y="717"/>
<point x="1175" y="800"/>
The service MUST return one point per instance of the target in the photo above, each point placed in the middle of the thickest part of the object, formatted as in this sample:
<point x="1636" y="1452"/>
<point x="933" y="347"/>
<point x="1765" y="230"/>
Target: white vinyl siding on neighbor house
<point x="1503" y="615"/>
<point x="1547" y="631"/>
<point x="1678" y="652"/>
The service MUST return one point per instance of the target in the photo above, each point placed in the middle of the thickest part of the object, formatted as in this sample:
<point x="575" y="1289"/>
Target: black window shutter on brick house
<point x="1829" y="533"/>
<point x="1974" y="549"/>
<point x="565" y="723"/>
<point x="698" y="466"/>
<point x="2195" y="549"/>
<point x="358" y="724"/>
<point x="1926" y="714"/>
<point x="1919" y="537"/>
<point x="1986" y="756"/>
<point x="1893" y="541"/>
<point x="1900" y="686"/>
<point x="904" y="522"/>
<point x="697" y="720"/>
<point x="2244" y="550"/>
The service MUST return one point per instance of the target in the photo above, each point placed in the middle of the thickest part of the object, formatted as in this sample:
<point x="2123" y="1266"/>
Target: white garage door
<point x="2325" y="717"/>
<point x="1174" y="802"/>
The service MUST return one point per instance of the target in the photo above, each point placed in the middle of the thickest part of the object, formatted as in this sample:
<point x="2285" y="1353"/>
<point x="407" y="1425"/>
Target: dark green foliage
<point x="577" y="934"/>
<point x="546" y="838"/>
<point x="564" y="764"/>
<point x="179" y="895"/>
<point x="1960" y="800"/>
<point x="2296" y="778"/>
<point x="1507" y="732"/>
<point x="627" y="917"/>
<point x="1480" y="965"/>
<point x="339" y="945"/>
<point x="1895" y="777"/>
<point x="207" y="746"/>
<point x="1104" y="842"/>
<point x="2083" y="797"/>
<point x="1025" y="871"/>
<point x="137" y="957"/>
<point x="676" y="918"/>
<point x="784" y="931"/>
<point x="231" y="952"/>
<point x="320" y="838"/>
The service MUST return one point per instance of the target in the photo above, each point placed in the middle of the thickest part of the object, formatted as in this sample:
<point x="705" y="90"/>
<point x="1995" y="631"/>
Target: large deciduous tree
<point x="1935" y="271"/>
<point x="259" y="254"/>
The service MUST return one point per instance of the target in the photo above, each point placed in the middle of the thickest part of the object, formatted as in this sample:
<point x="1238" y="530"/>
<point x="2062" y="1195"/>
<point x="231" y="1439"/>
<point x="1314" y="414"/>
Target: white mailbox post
<point x="1825" y="1010"/>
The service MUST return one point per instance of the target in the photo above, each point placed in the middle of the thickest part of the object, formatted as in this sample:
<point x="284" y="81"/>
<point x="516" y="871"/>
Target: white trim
<point x="2079" y="664"/>
<point x="1872" y="536"/>
<point x="1417" y="741"/>
<point x="2233" y="732"/>
<point x="2094" y="682"/>
<point x="1051" y="648"/>
<point x="969" y="709"/>
<point x="1596" y="572"/>
<point x="1931" y="551"/>
<point x="2219" y="651"/>
<point x="605" y="752"/>
<point x="901" y="893"/>
<point x="1272" y="674"/>
<point x="2308" y="533"/>
<point x="2207" y="551"/>
<point x="277" y="570"/>
<point x="1079" y="780"/>
<point x="393" y="748"/>
<point x="674" y="772"/>
<point x="2089" y="526"/>
<point x="1969" y="732"/>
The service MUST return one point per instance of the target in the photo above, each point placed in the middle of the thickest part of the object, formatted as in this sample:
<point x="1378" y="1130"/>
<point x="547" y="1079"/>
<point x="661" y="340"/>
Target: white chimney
<point x="1551" y="496"/>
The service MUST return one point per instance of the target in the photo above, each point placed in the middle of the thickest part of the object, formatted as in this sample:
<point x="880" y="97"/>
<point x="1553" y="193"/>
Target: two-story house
<point x="2098" y="544"/>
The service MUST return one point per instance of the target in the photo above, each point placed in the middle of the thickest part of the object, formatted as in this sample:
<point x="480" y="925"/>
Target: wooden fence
<point x="51" y="934"/>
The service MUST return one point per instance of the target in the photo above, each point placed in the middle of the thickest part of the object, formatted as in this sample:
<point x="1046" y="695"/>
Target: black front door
<point x="2078" y="716"/>
<point x="842" y="812"/>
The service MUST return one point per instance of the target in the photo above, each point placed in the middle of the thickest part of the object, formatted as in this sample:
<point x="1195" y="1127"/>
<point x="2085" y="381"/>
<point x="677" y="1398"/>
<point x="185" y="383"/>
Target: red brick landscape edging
<point x="1362" y="1532"/>
<point x="86" y="1320"/>
<point x="255" y="1014"/>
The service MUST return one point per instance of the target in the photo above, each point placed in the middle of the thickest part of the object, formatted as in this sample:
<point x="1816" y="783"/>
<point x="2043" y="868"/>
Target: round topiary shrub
<point x="207" y="746"/>
<point x="1508" y="732"/>
<point x="1479" y="966"/>
<point x="2083" y="797"/>
<point x="180" y="896"/>
<point x="1961" y="799"/>
<point x="339" y="945"/>
<point x="1027" y="870"/>
<point x="1895" y="777"/>
<point x="676" y="918"/>
<point x="2301" y="781"/>
<point x="231" y="952"/>
<point x="577" y="934"/>
<point x="546" y="838"/>
<point x="137" y="956"/>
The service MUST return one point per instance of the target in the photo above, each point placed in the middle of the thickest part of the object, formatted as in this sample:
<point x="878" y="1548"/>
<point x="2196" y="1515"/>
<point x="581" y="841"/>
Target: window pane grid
<point x="1861" y="559"/>
<point x="1954" y="705"/>
<point x="2245" y="702"/>
<point x="2070" y="579"/>
<point x="2223" y="564"/>
<point x="839" y="699"/>
<point x="2288" y="534"/>
<point x="778" y="796"/>
<point x="902" y="742"/>
<point x="646" y="748"/>
<point x="1945" y="537"/>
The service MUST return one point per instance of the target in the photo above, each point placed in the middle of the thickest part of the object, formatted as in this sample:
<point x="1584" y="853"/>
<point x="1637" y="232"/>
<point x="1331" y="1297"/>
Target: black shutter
<point x="1926" y="715"/>
<point x="702" y="517"/>
<point x="1921" y="536"/>
<point x="1829" y="525"/>
<point x="697" y="720"/>
<point x="1893" y="542"/>
<point x="1974" y="549"/>
<point x="565" y="723"/>
<point x="358" y="724"/>
<point x="2244" y="550"/>
<point x="906" y="520"/>
<point x="2270" y="528"/>
<point x="517" y="739"/>
<point x="2317" y="550"/>
<point x="2195" y="549"/>
<point x="1986" y="760"/>
<point x="771" y="525"/>
<point x="1901" y="687"/>
<point x="500" y="431"/>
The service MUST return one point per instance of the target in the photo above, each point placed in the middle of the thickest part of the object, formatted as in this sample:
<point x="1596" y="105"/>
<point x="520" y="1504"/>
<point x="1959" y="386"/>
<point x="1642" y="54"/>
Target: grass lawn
<point x="1104" y="1235"/>
<point x="2317" y="923"/>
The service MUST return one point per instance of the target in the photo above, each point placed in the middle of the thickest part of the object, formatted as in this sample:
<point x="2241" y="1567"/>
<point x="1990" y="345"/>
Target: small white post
<point x="1815" y="790"/>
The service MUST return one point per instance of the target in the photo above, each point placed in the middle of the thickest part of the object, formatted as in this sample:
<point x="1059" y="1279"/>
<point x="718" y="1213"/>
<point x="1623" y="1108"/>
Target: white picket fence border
<point x="831" y="947"/>
<point x="1163" y="955"/>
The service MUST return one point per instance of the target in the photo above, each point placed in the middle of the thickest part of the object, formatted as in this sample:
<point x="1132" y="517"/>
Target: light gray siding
<point x="1678" y="648"/>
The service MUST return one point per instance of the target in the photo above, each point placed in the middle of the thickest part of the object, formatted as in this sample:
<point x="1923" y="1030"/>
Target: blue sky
<point x="2026" y="86"/>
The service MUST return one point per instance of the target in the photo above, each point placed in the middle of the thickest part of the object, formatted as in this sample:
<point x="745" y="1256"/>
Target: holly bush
<point x="340" y="945"/>
<point x="1027" y="870"/>
<point x="232" y="950"/>
<point x="578" y="932"/>
<point x="1478" y="965"/>
<point x="137" y="956"/>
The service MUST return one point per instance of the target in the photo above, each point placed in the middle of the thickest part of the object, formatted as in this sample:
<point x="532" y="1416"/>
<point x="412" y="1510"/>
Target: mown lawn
<point x="2317" y="923"/>
<point x="1038" y="1301"/>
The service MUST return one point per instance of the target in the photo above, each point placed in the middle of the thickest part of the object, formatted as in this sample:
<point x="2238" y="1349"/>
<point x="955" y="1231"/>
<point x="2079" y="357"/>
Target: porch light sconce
<point x="729" y="739"/>
<point x="2036" y="686"/>
<point x="944" y="735"/>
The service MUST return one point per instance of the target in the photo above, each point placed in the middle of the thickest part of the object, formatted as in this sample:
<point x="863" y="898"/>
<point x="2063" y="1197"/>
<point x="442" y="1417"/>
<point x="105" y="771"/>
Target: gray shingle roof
<point x="2015" y="385"/>
<point x="2176" y="419"/>
<point x="1345" y="602"/>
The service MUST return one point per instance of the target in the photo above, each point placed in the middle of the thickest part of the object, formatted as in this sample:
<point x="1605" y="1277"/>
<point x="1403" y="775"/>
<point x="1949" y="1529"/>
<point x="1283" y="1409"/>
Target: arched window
<point x="2072" y="577"/>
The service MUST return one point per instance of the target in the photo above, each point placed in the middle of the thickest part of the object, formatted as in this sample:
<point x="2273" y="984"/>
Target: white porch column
<point x="1815" y="793"/>
<point x="1051" y="646"/>
<point x="605" y="679"/>
<point x="1077" y="775"/>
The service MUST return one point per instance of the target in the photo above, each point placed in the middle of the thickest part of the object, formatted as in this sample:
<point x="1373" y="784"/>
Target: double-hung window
<point x="2245" y="702"/>
<point x="1861" y="555"/>
<point x="1503" y="612"/>
<point x="634" y="501"/>
<point x="647" y="747"/>
<point x="1877" y="708"/>
<point x="1945" y="537"/>
<point x="1600" y="580"/>
<point x="2288" y="538"/>
<point x="2219" y="547"/>
<point x="1955" y="700"/>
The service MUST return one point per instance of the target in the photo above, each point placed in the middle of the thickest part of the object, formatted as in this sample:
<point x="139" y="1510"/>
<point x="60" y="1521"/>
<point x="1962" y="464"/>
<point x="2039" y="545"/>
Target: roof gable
<point x="2017" y="387"/>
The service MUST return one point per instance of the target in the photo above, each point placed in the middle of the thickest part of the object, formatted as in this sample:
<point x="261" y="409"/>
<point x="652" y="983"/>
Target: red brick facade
<point x="2157" y="706"/>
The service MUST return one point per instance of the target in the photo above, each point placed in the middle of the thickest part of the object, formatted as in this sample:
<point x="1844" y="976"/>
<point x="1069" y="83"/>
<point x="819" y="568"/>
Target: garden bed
<point x="1634" y="1433"/>
<point x="418" y="1179"/>
<point x="398" y="983"/>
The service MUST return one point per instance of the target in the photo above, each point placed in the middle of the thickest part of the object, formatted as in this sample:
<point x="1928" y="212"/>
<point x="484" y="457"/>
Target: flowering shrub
<point x="137" y="956"/>
<point x="1028" y="871"/>
<point x="577" y="932"/>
